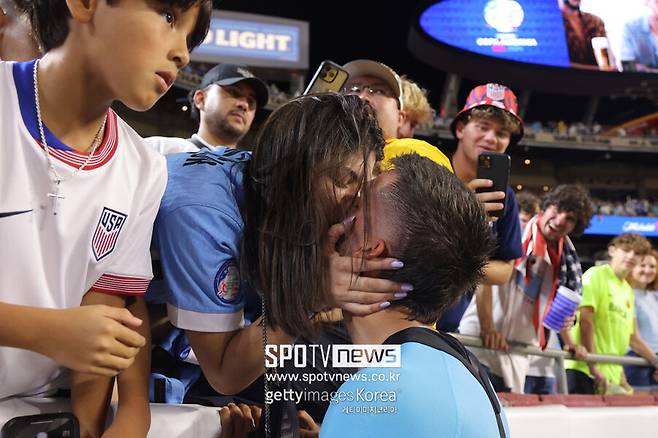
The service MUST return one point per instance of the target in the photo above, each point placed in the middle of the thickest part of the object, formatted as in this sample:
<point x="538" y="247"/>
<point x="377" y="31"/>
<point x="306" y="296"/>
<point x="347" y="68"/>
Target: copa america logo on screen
<point x="504" y="15"/>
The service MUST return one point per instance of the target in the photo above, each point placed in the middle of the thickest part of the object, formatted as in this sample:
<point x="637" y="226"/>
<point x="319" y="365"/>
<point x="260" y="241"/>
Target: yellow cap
<point x="400" y="146"/>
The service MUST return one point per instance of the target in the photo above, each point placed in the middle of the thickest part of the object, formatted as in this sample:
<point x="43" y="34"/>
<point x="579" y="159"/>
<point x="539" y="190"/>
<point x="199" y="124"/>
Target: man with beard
<point x="225" y="105"/>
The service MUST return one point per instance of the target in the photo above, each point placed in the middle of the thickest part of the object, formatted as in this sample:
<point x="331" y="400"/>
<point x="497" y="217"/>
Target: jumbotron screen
<point x="606" y="35"/>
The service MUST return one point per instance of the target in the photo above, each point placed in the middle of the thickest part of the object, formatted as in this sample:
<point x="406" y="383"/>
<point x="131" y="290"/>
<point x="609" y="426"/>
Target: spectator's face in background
<point x="644" y="272"/>
<point x="339" y="185"/>
<point x="524" y="217"/>
<point x="379" y="95"/>
<point x="555" y="224"/>
<point x="481" y="135"/>
<point x="16" y="38"/>
<point x="228" y="110"/>
<point x="623" y="259"/>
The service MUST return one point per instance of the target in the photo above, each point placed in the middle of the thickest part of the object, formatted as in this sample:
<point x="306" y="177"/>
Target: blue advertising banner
<point x="529" y="31"/>
<point x="254" y="40"/>
<point x="615" y="225"/>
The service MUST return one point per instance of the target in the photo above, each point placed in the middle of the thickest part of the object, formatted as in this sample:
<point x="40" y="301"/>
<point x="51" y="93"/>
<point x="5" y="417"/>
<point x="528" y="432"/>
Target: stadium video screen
<point x="606" y="35"/>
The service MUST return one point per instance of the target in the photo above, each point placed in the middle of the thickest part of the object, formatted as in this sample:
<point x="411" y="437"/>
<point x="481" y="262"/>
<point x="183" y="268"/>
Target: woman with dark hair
<point x="294" y="194"/>
<point x="228" y="216"/>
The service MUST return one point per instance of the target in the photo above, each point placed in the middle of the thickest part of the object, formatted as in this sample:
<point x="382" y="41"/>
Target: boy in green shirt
<point x="606" y="315"/>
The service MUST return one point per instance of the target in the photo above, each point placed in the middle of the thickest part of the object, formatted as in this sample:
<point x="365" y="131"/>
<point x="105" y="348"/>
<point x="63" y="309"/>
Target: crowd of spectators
<point x="555" y="127"/>
<point x="237" y="233"/>
<point x="627" y="207"/>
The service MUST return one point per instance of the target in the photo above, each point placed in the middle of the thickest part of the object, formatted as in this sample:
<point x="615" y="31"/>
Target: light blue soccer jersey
<point x="197" y="234"/>
<point x="434" y="395"/>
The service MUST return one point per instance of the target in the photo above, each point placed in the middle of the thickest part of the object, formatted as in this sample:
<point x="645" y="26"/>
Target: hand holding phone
<point x="328" y="77"/>
<point x="496" y="168"/>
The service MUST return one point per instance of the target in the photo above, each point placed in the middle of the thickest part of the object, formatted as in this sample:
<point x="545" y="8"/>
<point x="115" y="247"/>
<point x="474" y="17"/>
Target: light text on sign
<point x="249" y="40"/>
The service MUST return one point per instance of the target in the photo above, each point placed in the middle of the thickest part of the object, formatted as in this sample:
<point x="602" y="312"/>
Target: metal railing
<point x="558" y="355"/>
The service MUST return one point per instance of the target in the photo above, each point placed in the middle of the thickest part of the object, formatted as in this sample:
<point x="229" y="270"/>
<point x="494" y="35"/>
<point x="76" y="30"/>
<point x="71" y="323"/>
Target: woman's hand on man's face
<point x="353" y="292"/>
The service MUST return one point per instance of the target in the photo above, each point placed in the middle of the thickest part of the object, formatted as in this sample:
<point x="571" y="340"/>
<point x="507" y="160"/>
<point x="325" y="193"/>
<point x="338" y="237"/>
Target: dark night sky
<point x="344" y="30"/>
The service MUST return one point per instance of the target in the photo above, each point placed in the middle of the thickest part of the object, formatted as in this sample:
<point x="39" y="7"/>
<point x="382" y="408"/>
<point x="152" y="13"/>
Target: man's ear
<point x="459" y="129"/>
<point x="199" y="99"/>
<point x="402" y="117"/>
<point x="378" y="249"/>
<point x="404" y="127"/>
<point x="82" y="10"/>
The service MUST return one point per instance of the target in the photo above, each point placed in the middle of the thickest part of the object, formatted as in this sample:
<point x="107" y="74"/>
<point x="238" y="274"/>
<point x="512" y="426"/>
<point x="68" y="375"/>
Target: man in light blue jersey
<point x="420" y="213"/>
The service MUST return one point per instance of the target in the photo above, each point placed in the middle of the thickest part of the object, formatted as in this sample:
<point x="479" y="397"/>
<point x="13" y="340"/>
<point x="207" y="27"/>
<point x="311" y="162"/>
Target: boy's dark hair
<point x="288" y="208"/>
<point x="50" y="19"/>
<point x="442" y="236"/>
<point x="572" y="198"/>
<point x="631" y="241"/>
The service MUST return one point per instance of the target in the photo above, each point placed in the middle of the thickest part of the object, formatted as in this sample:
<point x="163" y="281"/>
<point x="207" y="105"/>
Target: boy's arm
<point x="92" y="339"/>
<point x="578" y="351"/>
<point x="490" y="336"/>
<point x="587" y="330"/>
<point x="133" y="416"/>
<point x="639" y="346"/>
<point x="498" y="271"/>
<point x="90" y="394"/>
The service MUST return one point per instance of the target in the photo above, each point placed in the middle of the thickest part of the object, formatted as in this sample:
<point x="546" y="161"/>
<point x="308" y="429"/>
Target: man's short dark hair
<point x="50" y="19"/>
<point x="572" y="198"/>
<point x="441" y="235"/>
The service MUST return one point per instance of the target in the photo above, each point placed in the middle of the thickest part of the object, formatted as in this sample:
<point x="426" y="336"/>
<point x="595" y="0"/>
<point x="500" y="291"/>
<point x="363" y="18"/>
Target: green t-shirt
<point x="612" y="300"/>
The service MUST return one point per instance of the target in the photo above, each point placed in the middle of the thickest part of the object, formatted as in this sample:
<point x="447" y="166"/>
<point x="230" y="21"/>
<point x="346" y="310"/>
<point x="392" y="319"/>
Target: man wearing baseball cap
<point x="225" y="105"/>
<point x="488" y="123"/>
<point x="381" y="87"/>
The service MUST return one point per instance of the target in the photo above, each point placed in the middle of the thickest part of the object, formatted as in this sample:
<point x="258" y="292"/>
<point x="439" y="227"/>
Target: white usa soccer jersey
<point x="99" y="240"/>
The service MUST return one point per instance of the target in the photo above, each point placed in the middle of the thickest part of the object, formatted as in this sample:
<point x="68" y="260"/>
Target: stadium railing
<point x="559" y="355"/>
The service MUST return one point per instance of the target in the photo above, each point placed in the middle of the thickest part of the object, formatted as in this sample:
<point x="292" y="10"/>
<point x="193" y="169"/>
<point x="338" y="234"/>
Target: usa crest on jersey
<point x="107" y="232"/>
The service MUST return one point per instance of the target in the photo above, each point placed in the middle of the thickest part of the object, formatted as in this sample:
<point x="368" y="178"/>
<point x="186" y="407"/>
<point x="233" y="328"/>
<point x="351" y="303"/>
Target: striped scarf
<point x="567" y="273"/>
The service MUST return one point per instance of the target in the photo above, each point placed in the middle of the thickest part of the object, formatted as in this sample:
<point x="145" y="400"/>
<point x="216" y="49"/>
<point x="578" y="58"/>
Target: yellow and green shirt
<point x="612" y="300"/>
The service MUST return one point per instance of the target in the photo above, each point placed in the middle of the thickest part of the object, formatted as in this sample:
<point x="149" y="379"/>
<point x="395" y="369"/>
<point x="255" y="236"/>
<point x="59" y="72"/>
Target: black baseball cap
<point x="229" y="74"/>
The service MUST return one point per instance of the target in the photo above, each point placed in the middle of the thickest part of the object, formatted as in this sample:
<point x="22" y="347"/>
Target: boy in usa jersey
<point x="79" y="194"/>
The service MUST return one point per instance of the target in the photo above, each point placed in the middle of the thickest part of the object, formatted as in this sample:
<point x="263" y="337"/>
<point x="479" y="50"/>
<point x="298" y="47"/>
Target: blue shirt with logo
<point x="432" y="394"/>
<point x="197" y="236"/>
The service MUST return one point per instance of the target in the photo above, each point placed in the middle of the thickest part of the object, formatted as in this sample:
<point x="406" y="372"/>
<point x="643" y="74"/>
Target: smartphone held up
<point x="495" y="167"/>
<point x="328" y="77"/>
